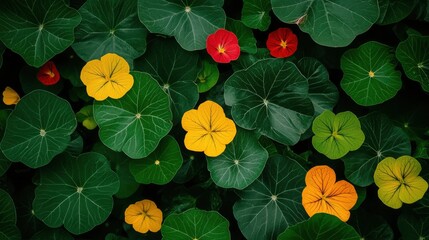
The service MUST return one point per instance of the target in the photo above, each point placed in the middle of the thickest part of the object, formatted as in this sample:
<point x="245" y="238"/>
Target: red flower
<point x="282" y="43"/>
<point x="48" y="74"/>
<point x="223" y="46"/>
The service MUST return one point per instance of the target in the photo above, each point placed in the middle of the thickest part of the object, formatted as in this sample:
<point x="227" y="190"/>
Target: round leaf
<point x="370" y="226"/>
<point x="336" y="135"/>
<point x="240" y="164"/>
<point x="110" y="26"/>
<point x="256" y="14"/>
<point x="196" y="224"/>
<point x="37" y="29"/>
<point x="413" y="227"/>
<point x="190" y="22"/>
<point x="414" y="59"/>
<point x="272" y="202"/>
<point x="8" y="229"/>
<point x="382" y="139"/>
<point x="333" y="24"/>
<point x="208" y="76"/>
<point x="135" y="123"/>
<point x="38" y="129"/>
<point x="175" y="70"/>
<point x="369" y="76"/>
<point x="76" y="192"/>
<point x="244" y="34"/>
<point x="160" y="166"/>
<point x="270" y="96"/>
<point x="10" y="232"/>
<point x="320" y="227"/>
<point x="392" y="11"/>
<point x="49" y="233"/>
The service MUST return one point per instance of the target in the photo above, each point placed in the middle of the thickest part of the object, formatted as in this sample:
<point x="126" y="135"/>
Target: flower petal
<point x="409" y="167"/>
<point x="389" y="194"/>
<point x="10" y="96"/>
<point x="197" y="141"/>
<point x="311" y="200"/>
<point x="144" y="216"/>
<point x="385" y="172"/>
<point x="413" y="189"/>
<point x="321" y="177"/>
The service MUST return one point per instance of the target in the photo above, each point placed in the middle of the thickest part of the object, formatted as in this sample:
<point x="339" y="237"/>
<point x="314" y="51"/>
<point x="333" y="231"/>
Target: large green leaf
<point x="329" y="23"/>
<point x="27" y="221"/>
<point x="270" y="96"/>
<point x="246" y="40"/>
<point x="272" y="203"/>
<point x="370" y="226"/>
<point x="392" y="11"/>
<point x="256" y="14"/>
<point x="135" y="123"/>
<point x="413" y="227"/>
<point x="320" y="227"/>
<point x="76" y="192"/>
<point x="8" y="228"/>
<point x="160" y="166"/>
<point x="110" y="26"/>
<point x="4" y="162"/>
<point x="175" y="70"/>
<point x="369" y="76"/>
<point x="414" y="59"/>
<point x="50" y="233"/>
<point x="382" y="139"/>
<point x="37" y="29"/>
<point x="241" y="163"/>
<point x="38" y="129"/>
<point x="190" y="21"/>
<point x="196" y="224"/>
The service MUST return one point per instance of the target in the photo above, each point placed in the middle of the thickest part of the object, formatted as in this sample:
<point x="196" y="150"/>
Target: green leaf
<point x="190" y="22"/>
<point x="246" y="40"/>
<point x="336" y="135"/>
<point x="120" y="164"/>
<point x="76" y="192"/>
<point x="38" y="129"/>
<point x="160" y="166"/>
<point x="369" y="76"/>
<point x="8" y="229"/>
<point x="37" y="29"/>
<point x="320" y="227"/>
<point x="273" y="202"/>
<point x="382" y="139"/>
<point x="413" y="227"/>
<point x="196" y="224"/>
<point x="208" y="75"/>
<point x="27" y="221"/>
<point x="4" y="162"/>
<point x="370" y="226"/>
<point x="110" y="26"/>
<point x="392" y="11"/>
<point x="175" y="70"/>
<point x="49" y="233"/>
<point x="75" y="146"/>
<point x="332" y="24"/>
<point x="9" y="232"/>
<point x="240" y="164"/>
<point x="414" y="59"/>
<point x="86" y="117"/>
<point x="270" y="96"/>
<point x="29" y="82"/>
<point x="144" y="114"/>
<point x="2" y="48"/>
<point x="256" y="14"/>
<point x="70" y="68"/>
<point x="111" y="236"/>
<point x="191" y="167"/>
<point x="246" y="60"/>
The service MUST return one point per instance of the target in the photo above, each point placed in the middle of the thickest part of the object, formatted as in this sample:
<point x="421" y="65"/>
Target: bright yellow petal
<point x="209" y="114"/>
<point x="214" y="148"/>
<point x="321" y="177"/>
<point x="389" y="194"/>
<point x="114" y="64"/>
<point x="409" y="166"/>
<point x="413" y="189"/>
<point x="144" y="216"/>
<point x="191" y="122"/>
<point x="331" y="208"/>
<point x="141" y="225"/>
<point x="119" y="85"/>
<point x="94" y="78"/>
<point x="224" y="131"/>
<point x="10" y="96"/>
<point x="132" y="214"/>
<point x="386" y="172"/>
<point x="197" y="141"/>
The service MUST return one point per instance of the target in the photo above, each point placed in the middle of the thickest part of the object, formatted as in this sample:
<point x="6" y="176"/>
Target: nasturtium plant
<point x="32" y="135"/>
<point x="320" y="226"/>
<point x="175" y="70"/>
<point x="246" y="40"/>
<point x="333" y="24"/>
<point x="208" y="75"/>
<point x="76" y="192"/>
<point x="110" y="27"/>
<point x="145" y="118"/>
<point x="160" y="166"/>
<point x="272" y="202"/>
<point x="271" y="97"/>
<point x="52" y="233"/>
<point x="196" y="224"/>
<point x="8" y="230"/>
<point x="370" y="226"/>
<point x="337" y="134"/>
<point x="37" y="29"/>
<point x="382" y="139"/>
<point x="414" y="59"/>
<point x="256" y="14"/>
<point x="392" y="11"/>
<point x="241" y="163"/>
<point x="413" y="227"/>
<point x="29" y="81"/>
<point x="190" y="22"/>
<point x="369" y="76"/>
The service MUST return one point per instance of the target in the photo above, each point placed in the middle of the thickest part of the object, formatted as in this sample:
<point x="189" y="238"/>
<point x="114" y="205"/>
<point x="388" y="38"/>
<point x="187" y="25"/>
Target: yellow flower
<point x="10" y="96"/>
<point x="323" y="195"/>
<point x="399" y="181"/>
<point x="144" y="216"/>
<point x="208" y="129"/>
<point x="108" y="77"/>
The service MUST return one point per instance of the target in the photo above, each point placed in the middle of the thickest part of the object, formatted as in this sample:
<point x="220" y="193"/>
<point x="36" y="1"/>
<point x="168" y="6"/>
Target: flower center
<point x="50" y="74"/>
<point x="371" y="74"/>
<point x="283" y="44"/>
<point x="335" y="134"/>
<point x="221" y="49"/>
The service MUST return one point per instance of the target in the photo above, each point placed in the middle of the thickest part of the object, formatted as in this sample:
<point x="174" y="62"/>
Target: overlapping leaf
<point x="246" y="40"/>
<point x="370" y="226"/>
<point x="273" y="202"/>
<point x="270" y="96"/>
<point x="392" y="11"/>
<point x="190" y="22"/>
<point x="52" y="233"/>
<point x="37" y="29"/>
<point x="38" y="129"/>
<point x="135" y="123"/>
<point x="76" y="192"/>
<point x="8" y="229"/>
<point x="256" y="14"/>
<point x="110" y="27"/>
<point x="413" y="227"/>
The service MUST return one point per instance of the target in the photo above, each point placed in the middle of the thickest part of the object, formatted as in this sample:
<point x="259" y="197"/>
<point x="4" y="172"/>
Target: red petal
<point x="228" y="40"/>
<point x="48" y="74"/>
<point x="276" y="37"/>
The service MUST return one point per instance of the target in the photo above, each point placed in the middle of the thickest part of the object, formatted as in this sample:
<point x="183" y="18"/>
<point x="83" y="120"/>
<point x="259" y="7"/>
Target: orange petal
<point x="10" y="96"/>
<point x="191" y="122"/>
<point x="321" y="177"/>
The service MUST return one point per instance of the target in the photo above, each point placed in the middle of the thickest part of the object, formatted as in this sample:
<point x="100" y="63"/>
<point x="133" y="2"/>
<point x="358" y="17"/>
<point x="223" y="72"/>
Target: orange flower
<point x="208" y="129"/>
<point x="144" y="216"/>
<point x="10" y="96"/>
<point x="323" y="194"/>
